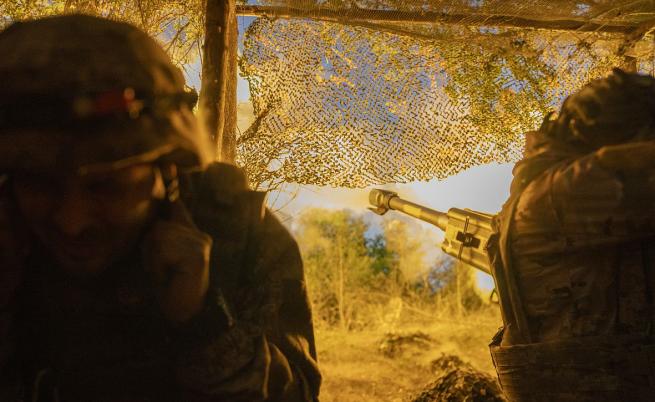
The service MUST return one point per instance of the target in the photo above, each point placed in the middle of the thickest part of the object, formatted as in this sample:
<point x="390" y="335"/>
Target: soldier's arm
<point x="267" y="353"/>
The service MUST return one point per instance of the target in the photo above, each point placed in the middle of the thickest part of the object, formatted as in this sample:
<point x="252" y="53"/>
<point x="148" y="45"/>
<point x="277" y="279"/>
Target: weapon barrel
<point x="466" y="232"/>
<point x="385" y="200"/>
<point x="437" y="218"/>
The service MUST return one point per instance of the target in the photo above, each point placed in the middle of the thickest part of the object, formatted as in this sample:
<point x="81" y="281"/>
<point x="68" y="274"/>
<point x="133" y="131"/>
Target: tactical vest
<point x="607" y="368"/>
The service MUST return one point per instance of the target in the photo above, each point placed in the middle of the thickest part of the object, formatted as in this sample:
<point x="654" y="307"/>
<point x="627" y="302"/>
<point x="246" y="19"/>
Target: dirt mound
<point x="459" y="382"/>
<point x="394" y="344"/>
<point x="446" y="364"/>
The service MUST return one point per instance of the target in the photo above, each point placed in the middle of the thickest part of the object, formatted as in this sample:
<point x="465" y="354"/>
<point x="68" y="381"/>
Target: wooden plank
<point x="360" y="16"/>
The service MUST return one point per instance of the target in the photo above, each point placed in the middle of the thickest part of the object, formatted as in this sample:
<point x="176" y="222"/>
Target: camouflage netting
<point x="357" y="101"/>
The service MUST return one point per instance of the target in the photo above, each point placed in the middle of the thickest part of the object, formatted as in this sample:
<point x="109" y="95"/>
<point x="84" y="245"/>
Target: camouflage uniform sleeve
<point x="583" y="203"/>
<point x="267" y="352"/>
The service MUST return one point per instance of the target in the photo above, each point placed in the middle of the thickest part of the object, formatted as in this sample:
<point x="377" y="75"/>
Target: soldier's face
<point x="87" y="222"/>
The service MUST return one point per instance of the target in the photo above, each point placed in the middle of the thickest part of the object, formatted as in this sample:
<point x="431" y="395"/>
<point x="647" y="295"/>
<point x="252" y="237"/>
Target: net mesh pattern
<point x="357" y="101"/>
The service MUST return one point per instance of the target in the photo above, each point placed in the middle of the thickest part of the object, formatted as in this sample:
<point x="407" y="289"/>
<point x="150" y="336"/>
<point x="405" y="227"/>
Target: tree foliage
<point x="356" y="276"/>
<point x="337" y="261"/>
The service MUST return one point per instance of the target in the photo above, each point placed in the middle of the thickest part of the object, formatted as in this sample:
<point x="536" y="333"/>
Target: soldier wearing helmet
<point x="133" y="268"/>
<point x="576" y="251"/>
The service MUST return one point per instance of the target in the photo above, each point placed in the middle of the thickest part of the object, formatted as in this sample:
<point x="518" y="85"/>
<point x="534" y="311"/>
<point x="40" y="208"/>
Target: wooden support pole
<point x="229" y="135"/>
<point x="218" y="86"/>
<point x="363" y="16"/>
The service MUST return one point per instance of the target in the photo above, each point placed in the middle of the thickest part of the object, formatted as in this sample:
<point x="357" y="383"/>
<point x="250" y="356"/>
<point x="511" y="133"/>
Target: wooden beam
<point x="229" y="135"/>
<point x="217" y="102"/>
<point x="359" y="16"/>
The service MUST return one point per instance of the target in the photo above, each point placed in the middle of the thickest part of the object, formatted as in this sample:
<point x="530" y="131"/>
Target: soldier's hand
<point x="176" y="253"/>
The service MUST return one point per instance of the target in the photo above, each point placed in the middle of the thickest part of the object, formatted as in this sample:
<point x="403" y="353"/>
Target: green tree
<point x="406" y="246"/>
<point x="454" y="282"/>
<point x="337" y="262"/>
<point x="381" y="258"/>
<point x="354" y="274"/>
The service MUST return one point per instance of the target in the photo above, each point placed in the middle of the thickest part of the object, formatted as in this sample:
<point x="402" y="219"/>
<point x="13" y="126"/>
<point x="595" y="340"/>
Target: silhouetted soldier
<point x="133" y="269"/>
<point x="577" y="251"/>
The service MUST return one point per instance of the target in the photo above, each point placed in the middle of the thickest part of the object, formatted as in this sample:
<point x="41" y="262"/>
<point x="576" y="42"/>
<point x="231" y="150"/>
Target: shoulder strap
<point x="509" y="294"/>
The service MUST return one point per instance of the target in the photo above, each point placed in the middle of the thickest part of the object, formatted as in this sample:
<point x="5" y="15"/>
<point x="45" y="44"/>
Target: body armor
<point x="573" y="256"/>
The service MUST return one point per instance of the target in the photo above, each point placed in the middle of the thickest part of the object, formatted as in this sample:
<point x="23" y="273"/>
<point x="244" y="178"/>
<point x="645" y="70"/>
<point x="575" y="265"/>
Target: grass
<point x="355" y="370"/>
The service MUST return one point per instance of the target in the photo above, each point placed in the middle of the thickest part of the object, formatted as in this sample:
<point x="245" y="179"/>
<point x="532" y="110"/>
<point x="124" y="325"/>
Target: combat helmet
<point x="607" y="111"/>
<point x="87" y="93"/>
